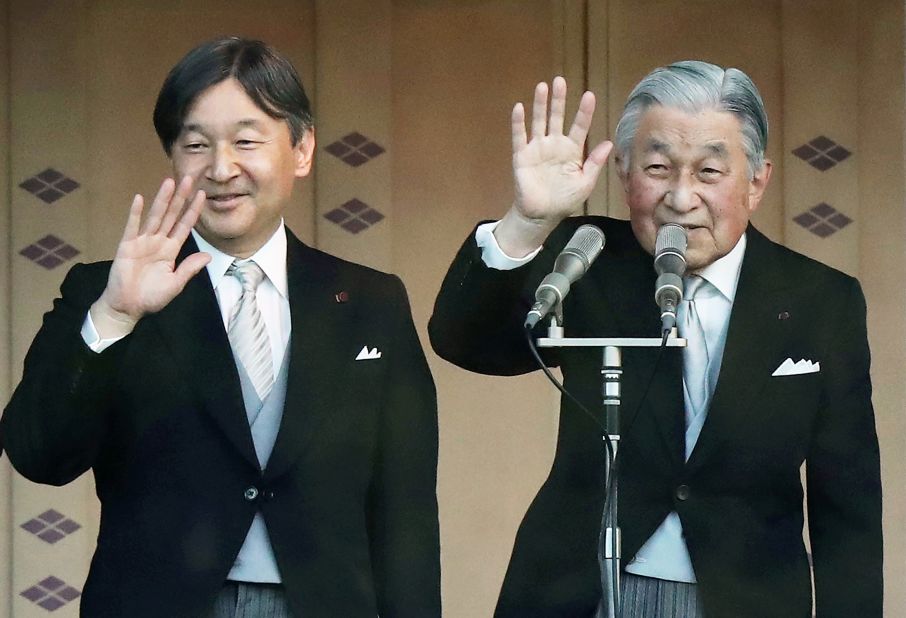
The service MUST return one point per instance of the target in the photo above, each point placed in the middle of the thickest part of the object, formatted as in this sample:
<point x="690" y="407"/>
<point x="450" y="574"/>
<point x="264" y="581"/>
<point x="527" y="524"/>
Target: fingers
<point x="558" y="106"/>
<point x="518" y="127"/>
<point x="595" y="161"/>
<point x="539" y="111"/>
<point x="189" y="216"/>
<point x="175" y="207"/>
<point x="579" y="131"/>
<point x="159" y="206"/>
<point x="190" y="267"/>
<point x="135" y="218"/>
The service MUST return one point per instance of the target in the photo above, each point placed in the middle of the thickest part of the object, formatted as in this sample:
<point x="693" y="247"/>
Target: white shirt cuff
<point x="91" y="337"/>
<point x="491" y="253"/>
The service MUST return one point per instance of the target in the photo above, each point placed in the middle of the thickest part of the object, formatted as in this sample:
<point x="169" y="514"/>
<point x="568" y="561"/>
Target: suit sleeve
<point x="843" y="476"/>
<point x="479" y="312"/>
<point x="54" y="425"/>
<point x="405" y="541"/>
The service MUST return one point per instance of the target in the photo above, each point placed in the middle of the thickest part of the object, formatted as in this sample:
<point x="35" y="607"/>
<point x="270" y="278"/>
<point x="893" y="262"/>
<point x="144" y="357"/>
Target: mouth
<point x="224" y="201"/>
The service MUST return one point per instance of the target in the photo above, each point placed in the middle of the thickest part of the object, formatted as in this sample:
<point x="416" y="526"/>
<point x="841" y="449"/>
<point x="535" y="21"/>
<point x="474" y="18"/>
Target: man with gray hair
<point x="776" y="374"/>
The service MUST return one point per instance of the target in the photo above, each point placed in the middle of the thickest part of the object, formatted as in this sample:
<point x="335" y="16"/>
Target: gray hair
<point x="693" y="86"/>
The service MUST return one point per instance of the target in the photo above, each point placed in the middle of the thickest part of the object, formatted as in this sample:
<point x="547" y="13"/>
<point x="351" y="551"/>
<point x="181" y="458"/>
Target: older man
<point x="258" y="415"/>
<point x="711" y="503"/>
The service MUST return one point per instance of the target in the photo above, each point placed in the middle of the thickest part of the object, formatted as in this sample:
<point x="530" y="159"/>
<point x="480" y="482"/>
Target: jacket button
<point x="250" y="494"/>
<point x="682" y="492"/>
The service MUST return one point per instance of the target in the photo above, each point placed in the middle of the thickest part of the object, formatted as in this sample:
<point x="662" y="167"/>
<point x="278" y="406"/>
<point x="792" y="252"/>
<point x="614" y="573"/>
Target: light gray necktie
<point x="695" y="354"/>
<point x="247" y="331"/>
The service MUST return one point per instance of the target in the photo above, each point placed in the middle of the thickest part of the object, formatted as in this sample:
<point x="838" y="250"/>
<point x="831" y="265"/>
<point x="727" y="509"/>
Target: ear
<point x="304" y="151"/>
<point x="622" y="172"/>
<point x="758" y="184"/>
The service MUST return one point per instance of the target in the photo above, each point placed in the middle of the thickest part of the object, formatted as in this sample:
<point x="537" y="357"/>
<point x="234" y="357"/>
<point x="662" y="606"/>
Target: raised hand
<point x="144" y="277"/>
<point x="551" y="177"/>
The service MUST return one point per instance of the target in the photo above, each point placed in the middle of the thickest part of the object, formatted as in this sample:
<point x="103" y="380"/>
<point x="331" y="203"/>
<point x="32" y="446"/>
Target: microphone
<point x="578" y="254"/>
<point x="670" y="264"/>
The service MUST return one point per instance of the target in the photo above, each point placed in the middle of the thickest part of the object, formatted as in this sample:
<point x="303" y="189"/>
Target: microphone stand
<point x="611" y="374"/>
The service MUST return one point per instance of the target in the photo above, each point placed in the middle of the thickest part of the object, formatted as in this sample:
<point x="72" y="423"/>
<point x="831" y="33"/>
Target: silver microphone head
<point x="670" y="249"/>
<point x="586" y="244"/>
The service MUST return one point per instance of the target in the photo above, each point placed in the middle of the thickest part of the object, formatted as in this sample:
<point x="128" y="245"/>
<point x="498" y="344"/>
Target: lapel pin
<point x="783" y="315"/>
<point x="341" y="297"/>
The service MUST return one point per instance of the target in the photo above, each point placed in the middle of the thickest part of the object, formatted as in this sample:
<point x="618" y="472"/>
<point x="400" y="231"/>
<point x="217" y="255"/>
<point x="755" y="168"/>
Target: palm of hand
<point x="549" y="178"/>
<point x="143" y="276"/>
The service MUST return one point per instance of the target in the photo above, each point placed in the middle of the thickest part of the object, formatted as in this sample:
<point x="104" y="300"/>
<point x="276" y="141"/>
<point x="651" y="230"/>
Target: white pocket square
<point x="367" y="354"/>
<point x="789" y="368"/>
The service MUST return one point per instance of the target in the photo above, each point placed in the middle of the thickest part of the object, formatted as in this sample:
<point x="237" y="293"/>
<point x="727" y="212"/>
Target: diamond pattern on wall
<point x="51" y="593"/>
<point x="354" y="149"/>
<point x="822" y="153"/>
<point x="354" y="216"/>
<point x="49" y="252"/>
<point x="50" y="526"/>
<point x="50" y="185"/>
<point x="823" y="220"/>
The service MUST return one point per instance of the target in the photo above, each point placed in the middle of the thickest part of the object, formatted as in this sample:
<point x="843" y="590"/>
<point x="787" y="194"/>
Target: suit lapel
<point x="193" y="330"/>
<point x="755" y="339"/>
<point x="317" y="323"/>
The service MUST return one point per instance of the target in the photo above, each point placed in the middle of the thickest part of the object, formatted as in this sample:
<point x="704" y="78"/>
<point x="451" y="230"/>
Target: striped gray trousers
<point x="647" y="597"/>
<point x="242" y="600"/>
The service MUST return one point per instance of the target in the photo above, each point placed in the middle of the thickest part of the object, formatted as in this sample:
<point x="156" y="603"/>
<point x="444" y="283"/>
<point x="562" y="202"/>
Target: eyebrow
<point x="714" y="149"/>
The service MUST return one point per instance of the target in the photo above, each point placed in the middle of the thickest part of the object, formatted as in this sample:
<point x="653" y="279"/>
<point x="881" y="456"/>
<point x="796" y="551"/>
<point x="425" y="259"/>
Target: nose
<point x="682" y="195"/>
<point x="223" y="166"/>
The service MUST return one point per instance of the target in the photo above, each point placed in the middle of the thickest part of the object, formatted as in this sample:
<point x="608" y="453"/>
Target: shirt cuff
<point x="91" y="337"/>
<point x="491" y="253"/>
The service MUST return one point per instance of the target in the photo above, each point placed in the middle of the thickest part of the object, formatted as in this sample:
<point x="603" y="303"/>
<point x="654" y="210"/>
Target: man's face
<point x="691" y="169"/>
<point x="244" y="161"/>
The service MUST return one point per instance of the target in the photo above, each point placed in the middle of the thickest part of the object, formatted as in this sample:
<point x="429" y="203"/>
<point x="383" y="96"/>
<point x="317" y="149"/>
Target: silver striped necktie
<point x="695" y="355"/>
<point x="247" y="331"/>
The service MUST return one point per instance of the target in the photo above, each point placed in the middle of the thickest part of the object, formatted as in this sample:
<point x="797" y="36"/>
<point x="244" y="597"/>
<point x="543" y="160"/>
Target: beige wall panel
<point x="48" y="129"/>
<point x="458" y="69"/>
<point x="644" y="34"/>
<point x="881" y="157"/>
<point x="6" y="526"/>
<point x="354" y="96"/>
<point x="821" y="76"/>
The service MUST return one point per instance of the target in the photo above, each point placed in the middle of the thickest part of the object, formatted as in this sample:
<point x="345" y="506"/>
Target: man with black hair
<point x="258" y="415"/>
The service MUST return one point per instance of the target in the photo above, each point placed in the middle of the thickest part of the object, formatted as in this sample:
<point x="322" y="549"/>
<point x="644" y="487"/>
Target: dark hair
<point x="267" y="77"/>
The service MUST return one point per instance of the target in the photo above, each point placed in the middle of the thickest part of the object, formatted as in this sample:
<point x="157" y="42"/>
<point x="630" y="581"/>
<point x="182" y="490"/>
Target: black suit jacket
<point x="348" y="495"/>
<point x="742" y="504"/>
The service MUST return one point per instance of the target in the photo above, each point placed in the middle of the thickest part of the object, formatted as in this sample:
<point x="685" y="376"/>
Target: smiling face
<point x="245" y="162"/>
<point x="691" y="169"/>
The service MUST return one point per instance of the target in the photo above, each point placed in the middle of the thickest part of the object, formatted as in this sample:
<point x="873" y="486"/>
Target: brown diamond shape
<point x="823" y="230"/>
<point x="823" y="143"/>
<point x="371" y="150"/>
<point x="355" y="158"/>
<point x="49" y="261"/>
<point x="33" y="185"/>
<point x="805" y="152"/>
<point x="51" y="604"/>
<point x="354" y="205"/>
<point x="68" y="526"/>
<point x="371" y="216"/>
<point x="355" y="138"/>
<point x="354" y="225"/>
<point x="67" y="185"/>
<point x="822" y="163"/>
<point x="49" y="242"/>
<point x="50" y="175"/>
<point x="51" y="536"/>
<point x="49" y="195"/>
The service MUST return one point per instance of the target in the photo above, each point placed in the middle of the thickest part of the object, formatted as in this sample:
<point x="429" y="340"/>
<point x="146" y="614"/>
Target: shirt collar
<point x="723" y="274"/>
<point x="271" y="257"/>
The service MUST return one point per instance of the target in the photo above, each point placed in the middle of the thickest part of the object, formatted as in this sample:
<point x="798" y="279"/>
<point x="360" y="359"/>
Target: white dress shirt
<point x="273" y="297"/>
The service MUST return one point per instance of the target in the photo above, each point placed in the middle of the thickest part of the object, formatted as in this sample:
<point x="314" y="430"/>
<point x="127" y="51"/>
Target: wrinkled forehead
<point x="670" y="131"/>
